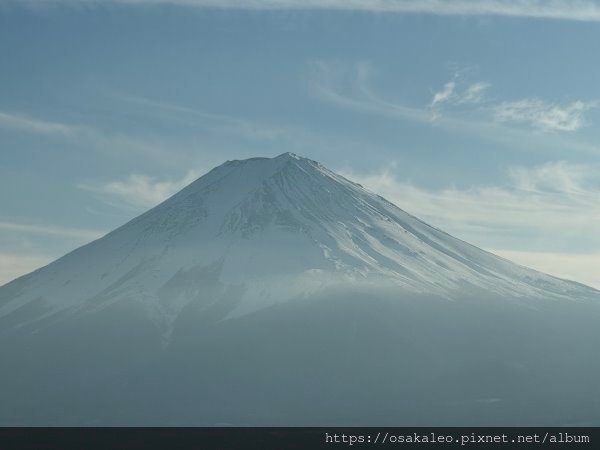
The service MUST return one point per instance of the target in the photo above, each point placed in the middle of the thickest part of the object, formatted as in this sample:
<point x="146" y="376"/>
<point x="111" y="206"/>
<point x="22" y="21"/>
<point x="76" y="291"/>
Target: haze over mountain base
<point x="275" y="292"/>
<point x="338" y="359"/>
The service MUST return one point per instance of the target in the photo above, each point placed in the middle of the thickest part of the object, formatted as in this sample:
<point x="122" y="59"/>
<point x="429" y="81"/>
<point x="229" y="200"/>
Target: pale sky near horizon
<point x="480" y="117"/>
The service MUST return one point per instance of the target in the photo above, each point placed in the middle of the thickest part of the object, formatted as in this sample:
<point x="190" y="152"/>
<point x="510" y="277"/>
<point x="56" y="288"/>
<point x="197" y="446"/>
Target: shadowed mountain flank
<point x="272" y="291"/>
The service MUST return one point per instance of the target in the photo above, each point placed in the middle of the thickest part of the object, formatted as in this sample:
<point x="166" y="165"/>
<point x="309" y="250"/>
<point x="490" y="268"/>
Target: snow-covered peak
<point x="240" y="195"/>
<point x="277" y="229"/>
<point x="245" y="174"/>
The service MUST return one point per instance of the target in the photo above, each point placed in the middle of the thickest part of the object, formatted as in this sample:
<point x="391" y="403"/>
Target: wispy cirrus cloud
<point x="27" y="124"/>
<point x="532" y="199"/>
<point x="50" y="230"/>
<point x="474" y="93"/>
<point x="139" y="191"/>
<point x="445" y="94"/>
<point x="531" y="112"/>
<point x="19" y="256"/>
<point x="544" y="115"/>
<point x="348" y="86"/>
<point x="535" y="205"/>
<point x="577" y="10"/>
<point x="244" y="132"/>
<point x="454" y="94"/>
<point x="13" y="265"/>
<point x="458" y="107"/>
<point x="88" y="136"/>
<point x="582" y="267"/>
<point x="557" y="178"/>
<point x="244" y="127"/>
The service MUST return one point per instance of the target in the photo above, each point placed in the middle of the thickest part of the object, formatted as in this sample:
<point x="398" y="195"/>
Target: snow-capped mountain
<point x="265" y="243"/>
<point x="280" y="227"/>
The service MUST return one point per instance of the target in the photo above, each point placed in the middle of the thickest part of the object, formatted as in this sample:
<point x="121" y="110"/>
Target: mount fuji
<point x="272" y="291"/>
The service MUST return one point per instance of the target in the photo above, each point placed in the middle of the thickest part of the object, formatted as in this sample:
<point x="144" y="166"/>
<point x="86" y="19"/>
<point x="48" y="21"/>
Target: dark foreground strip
<point x="295" y="438"/>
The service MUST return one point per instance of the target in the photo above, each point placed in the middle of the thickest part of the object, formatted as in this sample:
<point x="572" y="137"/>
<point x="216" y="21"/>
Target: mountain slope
<point x="266" y="246"/>
<point x="264" y="223"/>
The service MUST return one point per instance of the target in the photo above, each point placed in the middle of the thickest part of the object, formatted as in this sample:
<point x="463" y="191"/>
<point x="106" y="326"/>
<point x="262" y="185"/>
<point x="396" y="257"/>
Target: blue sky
<point x="480" y="117"/>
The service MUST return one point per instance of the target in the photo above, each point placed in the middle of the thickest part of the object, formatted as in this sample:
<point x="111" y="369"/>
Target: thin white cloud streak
<point x="65" y="232"/>
<point x="89" y="137"/>
<point x="556" y="178"/>
<point x="445" y="94"/>
<point x="329" y="82"/>
<point x="24" y="123"/>
<point x="555" y="202"/>
<point x="325" y="85"/>
<point x="576" y="10"/>
<point x="13" y="265"/>
<point x="571" y="266"/>
<point x="475" y="93"/>
<point x="450" y="94"/>
<point x="543" y="115"/>
<point x="140" y="191"/>
<point x="291" y="137"/>
<point x="542" y="200"/>
<point x="533" y="112"/>
<point x="226" y="123"/>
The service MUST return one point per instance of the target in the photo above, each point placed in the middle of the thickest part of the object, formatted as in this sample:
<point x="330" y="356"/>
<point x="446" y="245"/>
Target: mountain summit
<point x="265" y="243"/>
